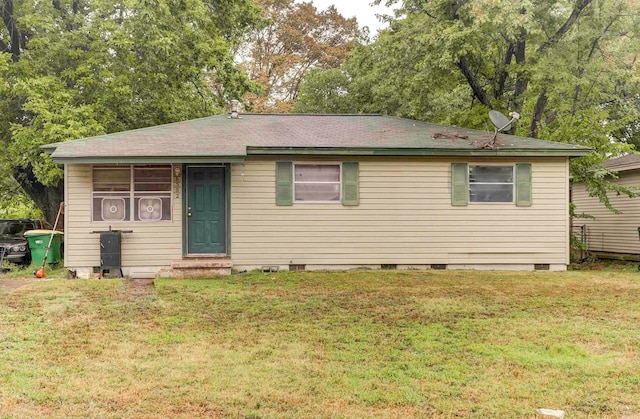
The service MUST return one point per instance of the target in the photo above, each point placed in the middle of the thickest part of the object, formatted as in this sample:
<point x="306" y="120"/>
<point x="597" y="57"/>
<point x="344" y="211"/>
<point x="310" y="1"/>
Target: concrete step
<point x="201" y="267"/>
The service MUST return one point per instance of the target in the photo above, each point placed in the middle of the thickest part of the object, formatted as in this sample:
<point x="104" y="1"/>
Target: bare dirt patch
<point x="15" y="283"/>
<point x="139" y="287"/>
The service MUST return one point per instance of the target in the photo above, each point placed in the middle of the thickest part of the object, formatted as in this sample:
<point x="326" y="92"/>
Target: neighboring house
<point x="316" y="192"/>
<point x="616" y="235"/>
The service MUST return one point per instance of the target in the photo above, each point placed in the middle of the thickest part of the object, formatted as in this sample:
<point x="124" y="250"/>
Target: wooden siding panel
<point x="150" y="244"/>
<point x="404" y="217"/>
<point x="610" y="232"/>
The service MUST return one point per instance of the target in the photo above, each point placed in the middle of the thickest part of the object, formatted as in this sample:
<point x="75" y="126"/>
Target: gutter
<point x="319" y="151"/>
<point x="149" y="160"/>
<point x="330" y="151"/>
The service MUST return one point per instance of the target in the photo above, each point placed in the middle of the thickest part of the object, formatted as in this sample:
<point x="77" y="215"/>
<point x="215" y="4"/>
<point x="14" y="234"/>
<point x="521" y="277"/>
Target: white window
<point x="317" y="183"/>
<point x="491" y="183"/>
<point x="131" y="193"/>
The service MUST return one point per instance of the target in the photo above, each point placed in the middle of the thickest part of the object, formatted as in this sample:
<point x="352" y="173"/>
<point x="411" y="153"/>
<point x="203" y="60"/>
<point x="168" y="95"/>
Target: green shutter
<point x="459" y="184"/>
<point x="523" y="184"/>
<point x="350" y="184"/>
<point x="284" y="183"/>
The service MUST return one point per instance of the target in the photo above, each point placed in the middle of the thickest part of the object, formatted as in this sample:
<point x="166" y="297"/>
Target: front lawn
<point x="350" y="344"/>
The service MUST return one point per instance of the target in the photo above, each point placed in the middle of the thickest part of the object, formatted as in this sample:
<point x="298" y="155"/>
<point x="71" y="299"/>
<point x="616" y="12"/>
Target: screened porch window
<point x="491" y="183"/>
<point x="131" y="193"/>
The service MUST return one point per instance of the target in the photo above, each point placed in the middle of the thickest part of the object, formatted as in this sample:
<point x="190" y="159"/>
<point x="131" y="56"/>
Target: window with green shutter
<point x="317" y="182"/>
<point x="491" y="183"/>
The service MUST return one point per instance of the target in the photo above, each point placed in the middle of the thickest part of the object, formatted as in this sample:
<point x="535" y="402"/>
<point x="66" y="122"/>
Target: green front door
<point x="206" y="221"/>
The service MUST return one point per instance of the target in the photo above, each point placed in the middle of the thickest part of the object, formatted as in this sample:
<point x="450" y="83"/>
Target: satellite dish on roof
<point x="502" y="123"/>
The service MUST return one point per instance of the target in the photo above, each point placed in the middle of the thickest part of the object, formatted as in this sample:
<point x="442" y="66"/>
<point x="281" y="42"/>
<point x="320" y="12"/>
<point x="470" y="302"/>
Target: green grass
<point x="350" y="344"/>
<point x="28" y="271"/>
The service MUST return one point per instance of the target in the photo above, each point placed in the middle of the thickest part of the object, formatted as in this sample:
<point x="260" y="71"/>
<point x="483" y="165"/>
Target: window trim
<point x="339" y="182"/>
<point x="132" y="194"/>
<point x="512" y="183"/>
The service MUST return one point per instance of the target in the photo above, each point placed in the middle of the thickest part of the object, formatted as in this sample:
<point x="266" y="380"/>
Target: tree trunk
<point x="502" y="78"/>
<point x="522" y="79"/>
<point x="47" y="198"/>
<point x="538" y="110"/>
<point x="575" y="13"/>
<point x="478" y="91"/>
<point x="10" y="24"/>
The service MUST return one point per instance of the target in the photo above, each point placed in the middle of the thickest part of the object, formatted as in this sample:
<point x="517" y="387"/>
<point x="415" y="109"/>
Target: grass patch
<point x="349" y="344"/>
<point x="28" y="271"/>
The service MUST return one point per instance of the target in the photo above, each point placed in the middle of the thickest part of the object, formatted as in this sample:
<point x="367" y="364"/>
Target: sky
<point x="361" y="9"/>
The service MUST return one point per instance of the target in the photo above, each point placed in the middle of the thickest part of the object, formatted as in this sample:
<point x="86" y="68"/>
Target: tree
<point x="568" y="66"/>
<point x="76" y="68"/>
<point x="14" y="203"/>
<point x="296" y="39"/>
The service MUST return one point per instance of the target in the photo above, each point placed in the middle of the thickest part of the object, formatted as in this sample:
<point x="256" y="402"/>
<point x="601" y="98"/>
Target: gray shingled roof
<point x="620" y="164"/>
<point x="220" y="137"/>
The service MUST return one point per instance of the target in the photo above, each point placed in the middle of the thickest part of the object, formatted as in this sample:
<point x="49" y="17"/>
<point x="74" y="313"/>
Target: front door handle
<point x="189" y="212"/>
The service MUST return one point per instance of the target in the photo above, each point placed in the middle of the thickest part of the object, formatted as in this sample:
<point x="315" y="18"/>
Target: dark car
<point x="12" y="240"/>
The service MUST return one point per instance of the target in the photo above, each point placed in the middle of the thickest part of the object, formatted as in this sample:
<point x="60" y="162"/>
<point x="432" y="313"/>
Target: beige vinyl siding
<point x="405" y="216"/>
<point x="151" y="243"/>
<point x="610" y="232"/>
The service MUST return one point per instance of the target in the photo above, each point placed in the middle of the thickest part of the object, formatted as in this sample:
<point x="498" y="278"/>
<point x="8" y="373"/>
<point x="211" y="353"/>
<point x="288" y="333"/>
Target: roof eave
<point x="317" y="151"/>
<point x="148" y="159"/>
<point x="623" y="168"/>
<point x="50" y="148"/>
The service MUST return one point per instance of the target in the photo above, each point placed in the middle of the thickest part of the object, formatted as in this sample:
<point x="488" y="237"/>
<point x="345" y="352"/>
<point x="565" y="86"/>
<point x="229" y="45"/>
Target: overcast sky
<point x="361" y="9"/>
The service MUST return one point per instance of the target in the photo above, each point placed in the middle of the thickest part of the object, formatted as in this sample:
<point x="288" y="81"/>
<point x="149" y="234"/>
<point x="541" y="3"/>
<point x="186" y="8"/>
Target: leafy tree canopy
<point x="14" y="203"/>
<point x="569" y="67"/>
<point x="295" y="39"/>
<point x="76" y="68"/>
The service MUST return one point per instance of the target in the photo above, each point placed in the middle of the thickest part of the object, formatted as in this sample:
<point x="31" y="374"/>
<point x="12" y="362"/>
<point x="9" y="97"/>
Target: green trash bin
<point x="38" y="242"/>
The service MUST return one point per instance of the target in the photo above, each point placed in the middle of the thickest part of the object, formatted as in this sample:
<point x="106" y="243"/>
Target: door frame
<point x="227" y="210"/>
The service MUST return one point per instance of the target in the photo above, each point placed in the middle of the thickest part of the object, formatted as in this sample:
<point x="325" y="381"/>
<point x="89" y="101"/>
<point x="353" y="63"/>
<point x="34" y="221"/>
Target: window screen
<point x="490" y="183"/>
<point x="317" y="182"/>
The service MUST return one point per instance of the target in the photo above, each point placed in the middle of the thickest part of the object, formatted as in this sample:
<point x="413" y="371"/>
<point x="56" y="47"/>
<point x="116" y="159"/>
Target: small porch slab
<point x="201" y="267"/>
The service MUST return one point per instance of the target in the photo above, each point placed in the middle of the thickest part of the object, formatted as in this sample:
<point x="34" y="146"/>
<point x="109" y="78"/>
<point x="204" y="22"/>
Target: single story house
<point x="316" y="192"/>
<point x="611" y="234"/>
